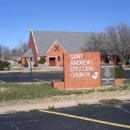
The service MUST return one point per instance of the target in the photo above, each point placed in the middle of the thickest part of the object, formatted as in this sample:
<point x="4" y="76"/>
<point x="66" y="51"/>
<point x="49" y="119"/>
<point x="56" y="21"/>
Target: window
<point x="58" y="58"/>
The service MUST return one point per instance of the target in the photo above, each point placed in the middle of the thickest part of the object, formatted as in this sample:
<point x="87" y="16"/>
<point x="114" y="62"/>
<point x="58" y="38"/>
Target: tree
<point x="0" y="51"/>
<point x="4" y="52"/>
<point x="97" y="43"/>
<point x="42" y="60"/>
<point x="115" y="41"/>
<point x="20" y="48"/>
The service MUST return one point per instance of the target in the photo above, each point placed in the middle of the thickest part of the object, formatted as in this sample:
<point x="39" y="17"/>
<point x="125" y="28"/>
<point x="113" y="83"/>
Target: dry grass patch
<point x="110" y="101"/>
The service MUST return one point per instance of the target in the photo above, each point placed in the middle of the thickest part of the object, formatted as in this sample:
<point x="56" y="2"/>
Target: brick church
<point x="52" y="45"/>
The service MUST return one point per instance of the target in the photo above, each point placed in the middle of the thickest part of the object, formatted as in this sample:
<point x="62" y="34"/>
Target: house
<point x="11" y="58"/>
<point x="14" y="58"/>
<point x="52" y="45"/>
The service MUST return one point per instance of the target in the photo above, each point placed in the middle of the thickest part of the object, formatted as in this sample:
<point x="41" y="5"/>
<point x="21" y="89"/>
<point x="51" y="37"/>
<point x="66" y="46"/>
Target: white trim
<point x="53" y="45"/>
<point x="52" y="57"/>
<point x="34" y="40"/>
<point x="38" y="58"/>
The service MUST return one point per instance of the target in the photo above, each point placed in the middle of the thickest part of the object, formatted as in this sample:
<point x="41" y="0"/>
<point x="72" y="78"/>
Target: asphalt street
<point x="127" y="74"/>
<point x="28" y="76"/>
<point x="90" y="117"/>
<point x="37" y="76"/>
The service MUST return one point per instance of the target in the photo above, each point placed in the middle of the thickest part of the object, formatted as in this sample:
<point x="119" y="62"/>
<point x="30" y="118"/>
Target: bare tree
<point x="6" y="52"/>
<point x="20" y="48"/>
<point x="97" y="42"/>
<point x="115" y="41"/>
<point x="0" y="51"/>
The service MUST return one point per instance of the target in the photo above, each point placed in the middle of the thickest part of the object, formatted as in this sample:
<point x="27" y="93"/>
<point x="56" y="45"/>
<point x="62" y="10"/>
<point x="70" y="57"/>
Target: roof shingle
<point x="28" y="53"/>
<point x="70" y="41"/>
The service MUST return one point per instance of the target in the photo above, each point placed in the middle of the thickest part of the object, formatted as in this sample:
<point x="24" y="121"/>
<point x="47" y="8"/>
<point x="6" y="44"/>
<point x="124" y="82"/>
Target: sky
<point x="17" y="16"/>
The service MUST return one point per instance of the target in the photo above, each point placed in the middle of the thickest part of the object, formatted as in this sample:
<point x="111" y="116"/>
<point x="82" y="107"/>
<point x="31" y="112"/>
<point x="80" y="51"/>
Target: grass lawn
<point x="44" y="91"/>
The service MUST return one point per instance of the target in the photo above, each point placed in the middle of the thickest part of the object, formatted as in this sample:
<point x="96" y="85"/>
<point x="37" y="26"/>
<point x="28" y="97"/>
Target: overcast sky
<point x="17" y="16"/>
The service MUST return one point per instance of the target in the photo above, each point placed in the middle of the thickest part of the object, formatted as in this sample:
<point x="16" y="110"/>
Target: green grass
<point x="127" y="81"/>
<point x="11" y="92"/>
<point x="17" y="92"/>
<point x="115" y="88"/>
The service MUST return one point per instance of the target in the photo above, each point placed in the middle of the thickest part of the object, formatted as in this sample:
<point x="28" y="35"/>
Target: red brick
<point x="82" y="82"/>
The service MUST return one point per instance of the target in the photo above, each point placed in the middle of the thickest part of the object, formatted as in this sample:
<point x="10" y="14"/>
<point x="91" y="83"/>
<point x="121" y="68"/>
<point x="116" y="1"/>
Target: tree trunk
<point x="123" y="65"/>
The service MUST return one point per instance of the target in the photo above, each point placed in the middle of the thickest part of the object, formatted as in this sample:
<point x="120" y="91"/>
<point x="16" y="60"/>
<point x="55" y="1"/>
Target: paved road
<point x="78" y="118"/>
<point x="26" y="76"/>
<point x="127" y="74"/>
<point x="38" y="76"/>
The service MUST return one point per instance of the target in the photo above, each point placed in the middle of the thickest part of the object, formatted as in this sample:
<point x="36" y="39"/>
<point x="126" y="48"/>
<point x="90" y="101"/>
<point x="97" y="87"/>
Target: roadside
<point x="37" y="96"/>
<point x="28" y="107"/>
<point x="92" y="96"/>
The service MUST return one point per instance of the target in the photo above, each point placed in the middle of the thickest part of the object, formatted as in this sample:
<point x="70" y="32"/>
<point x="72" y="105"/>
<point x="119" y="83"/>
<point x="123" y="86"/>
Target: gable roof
<point x="54" y="45"/>
<point x="70" y="41"/>
<point x="28" y="53"/>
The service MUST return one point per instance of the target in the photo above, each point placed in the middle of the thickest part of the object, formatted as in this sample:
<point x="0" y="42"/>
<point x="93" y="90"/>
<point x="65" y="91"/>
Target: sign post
<point x="30" y="65"/>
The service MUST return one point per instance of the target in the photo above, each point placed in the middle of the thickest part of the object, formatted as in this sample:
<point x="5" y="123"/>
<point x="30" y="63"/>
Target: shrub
<point x="119" y="72"/>
<point x="19" y="61"/>
<point x="4" y="64"/>
<point x="42" y="60"/>
<point x="84" y="104"/>
<point x="26" y="64"/>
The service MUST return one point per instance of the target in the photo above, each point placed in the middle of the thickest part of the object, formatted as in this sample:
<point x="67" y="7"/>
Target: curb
<point x="14" y="109"/>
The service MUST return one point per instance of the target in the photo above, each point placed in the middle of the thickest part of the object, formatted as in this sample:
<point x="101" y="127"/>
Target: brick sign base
<point x="81" y="70"/>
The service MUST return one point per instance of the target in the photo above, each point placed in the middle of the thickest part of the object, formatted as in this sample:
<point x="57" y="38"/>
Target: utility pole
<point x="2" y="44"/>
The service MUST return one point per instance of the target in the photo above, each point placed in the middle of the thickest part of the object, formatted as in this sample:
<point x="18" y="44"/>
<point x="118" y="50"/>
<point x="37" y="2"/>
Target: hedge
<point x="4" y="64"/>
<point x="25" y="64"/>
<point x="119" y="72"/>
<point x="42" y="60"/>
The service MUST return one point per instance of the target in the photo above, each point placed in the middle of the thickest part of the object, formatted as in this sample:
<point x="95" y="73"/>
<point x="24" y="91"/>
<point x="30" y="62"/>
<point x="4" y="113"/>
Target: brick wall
<point x="31" y="45"/>
<point x="57" y="84"/>
<point x="55" y="51"/>
<point x="118" y="81"/>
<point x="78" y="68"/>
<point x="27" y="59"/>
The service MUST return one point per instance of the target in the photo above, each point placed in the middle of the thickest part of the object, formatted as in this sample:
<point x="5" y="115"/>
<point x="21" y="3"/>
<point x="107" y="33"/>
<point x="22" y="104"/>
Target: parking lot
<point x="89" y="117"/>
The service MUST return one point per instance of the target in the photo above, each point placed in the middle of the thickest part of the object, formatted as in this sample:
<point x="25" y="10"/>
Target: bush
<point x="4" y="64"/>
<point x="26" y="64"/>
<point x="42" y="60"/>
<point x="119" y="72"/>
<point x="19" y="62"/>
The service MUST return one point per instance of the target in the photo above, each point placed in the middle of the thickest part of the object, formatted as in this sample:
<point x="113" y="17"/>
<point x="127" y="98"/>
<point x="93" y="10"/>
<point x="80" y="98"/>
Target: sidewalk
<point x="13" y="109"/>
